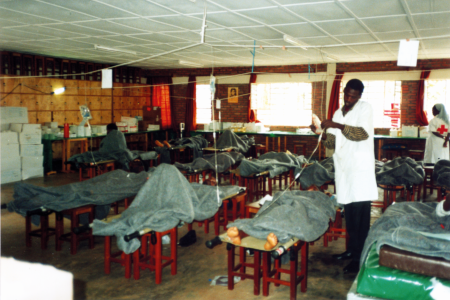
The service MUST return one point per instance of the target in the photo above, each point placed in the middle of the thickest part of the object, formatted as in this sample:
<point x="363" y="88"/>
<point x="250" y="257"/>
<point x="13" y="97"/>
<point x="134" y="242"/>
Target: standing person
<point x="436" y="147"/>
<point x="351" y="133"/>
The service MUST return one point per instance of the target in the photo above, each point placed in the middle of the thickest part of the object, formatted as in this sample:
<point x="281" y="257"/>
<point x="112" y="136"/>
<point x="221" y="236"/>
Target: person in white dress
<point x="436" y="147"/>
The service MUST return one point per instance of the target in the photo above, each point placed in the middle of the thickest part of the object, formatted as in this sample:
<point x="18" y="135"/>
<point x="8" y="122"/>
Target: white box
<point x="11" y="175"/>
<point x="32" y="172"/>
<point x="132" y="128"/>
<point x="10" y="163"/>
<point x="11" y="150"/>
<point x="51" y="124"/>
<point x="153" y="127"/>
<point x="30" y="162"/>
<point x="13" y="114"/>
<point x="423" y="131"/>
<point x="33" y="128"/>
<point x="31" y="150"/>
<point x="128" y="120"/>
<point x="30" y="138"/>
<point x="393" y="133"/>
<point x="410" y="131"/>
<point x="9" y="137"/>
<point x="16" y="127"/>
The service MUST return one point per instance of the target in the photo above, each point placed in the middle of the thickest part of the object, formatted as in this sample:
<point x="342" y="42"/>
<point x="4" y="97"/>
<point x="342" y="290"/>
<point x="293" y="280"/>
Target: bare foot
<point x="233" y="234"/>
<point x="272" y="241"/>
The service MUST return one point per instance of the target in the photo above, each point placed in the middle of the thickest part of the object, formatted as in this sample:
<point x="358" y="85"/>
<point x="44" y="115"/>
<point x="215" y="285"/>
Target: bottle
<point x="277" y="253"/>
<point x="66" y="130"/>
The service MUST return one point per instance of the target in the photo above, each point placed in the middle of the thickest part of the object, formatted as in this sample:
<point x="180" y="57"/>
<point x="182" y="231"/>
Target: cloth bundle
<point x="399" y="171"/>
<point x="228" y="139"/>
<point x="207" y="162"/>
<point x="301" y="214"/>
<point x="112" y="147"/>
<point x="441" y="173"/>
<point x="101" y="190"/>
<point x="400" y="226"/>
<point x="317" y="174"/>
<point x="274" y="162"/>
<point x="165" y="199"/>
<point x="196" y="143"/>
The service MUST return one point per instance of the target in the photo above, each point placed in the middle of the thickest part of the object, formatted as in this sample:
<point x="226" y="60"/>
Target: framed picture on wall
<point x="233" y="94"/>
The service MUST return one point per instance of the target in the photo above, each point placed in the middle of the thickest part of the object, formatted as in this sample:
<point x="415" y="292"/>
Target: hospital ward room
<point x="205" y="149"/>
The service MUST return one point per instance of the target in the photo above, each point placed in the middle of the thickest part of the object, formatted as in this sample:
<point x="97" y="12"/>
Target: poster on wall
<point x="233" y="93"/>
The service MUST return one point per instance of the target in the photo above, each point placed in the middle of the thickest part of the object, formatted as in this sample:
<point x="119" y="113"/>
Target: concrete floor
<point x="197" y="265"/>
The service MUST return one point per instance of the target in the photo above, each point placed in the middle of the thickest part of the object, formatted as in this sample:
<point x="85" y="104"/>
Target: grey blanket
<point x="441" y="173"/>
<point x="228" y="139"/>
<point x="399" y="227"/>
<point x="399" y="171"/>
<point x="317" y="174"/>
<point x="196" y="143"/>
<point x="207" y="162"/>
<point x="101" y="190"/>
<point x="165" y="199"/>
<point x="112" y="147"/>
<point x="274" y="162"/>
<point x="301" y="214"/>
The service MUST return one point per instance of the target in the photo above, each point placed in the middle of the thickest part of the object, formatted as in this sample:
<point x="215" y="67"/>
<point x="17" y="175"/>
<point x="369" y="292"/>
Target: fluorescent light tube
<point x="294" y="41"/>
<point x="58" y="91"/>
<point x="98" y="47"/>
<point x="189" y="63"/>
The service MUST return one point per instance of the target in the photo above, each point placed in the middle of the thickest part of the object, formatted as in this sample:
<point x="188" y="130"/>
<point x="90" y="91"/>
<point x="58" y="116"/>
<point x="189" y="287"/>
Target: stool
<point x="95" y="169"/>
<point x="391" y="154"/>
<point x="44" y="232"/>
<point x="335" y="230"/>
<point x="428" y="182"/>
<point x="72" y="237"/>
<point x="298" y="147"/>
<point x="389" y="195"/>
<point x="124" y="260"/>
<point x="256" y="185"/>
<point x="416" y="154"/>
<point x="237" y="201"/>
<point x="282" y="177"/>
<point x="152" y="258"/>
<point x="273" y="275"/>
<point x="66" y="150"/>
<point x="259" y="150"/>
<point x="239" y="269"/>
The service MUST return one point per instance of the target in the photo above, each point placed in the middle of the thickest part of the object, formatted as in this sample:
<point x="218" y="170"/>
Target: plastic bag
<point x="223" y="280"/>
<point x="316" y="122"/>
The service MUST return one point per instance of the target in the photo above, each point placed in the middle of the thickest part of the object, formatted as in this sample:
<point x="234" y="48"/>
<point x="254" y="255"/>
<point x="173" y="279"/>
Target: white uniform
<point x="354" y="161"/>
<point x="434" y="148"/>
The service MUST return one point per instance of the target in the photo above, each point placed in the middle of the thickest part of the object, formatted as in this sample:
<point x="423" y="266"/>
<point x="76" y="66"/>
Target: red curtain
<point x="421" y="117"/>
<point x="191" y="106"/>
<point x="251" y="115"/>
<point x="161" y="97"/>
<point x="334" y="97"/>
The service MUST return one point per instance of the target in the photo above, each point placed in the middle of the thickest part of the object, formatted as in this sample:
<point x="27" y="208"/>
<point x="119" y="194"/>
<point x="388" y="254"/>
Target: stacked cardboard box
<point x="10" y="163"/>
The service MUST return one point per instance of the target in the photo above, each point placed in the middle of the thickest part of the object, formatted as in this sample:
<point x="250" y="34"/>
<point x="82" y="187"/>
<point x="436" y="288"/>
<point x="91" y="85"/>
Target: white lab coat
<point x="434" y="149"/>
<point x="354" y="161"/>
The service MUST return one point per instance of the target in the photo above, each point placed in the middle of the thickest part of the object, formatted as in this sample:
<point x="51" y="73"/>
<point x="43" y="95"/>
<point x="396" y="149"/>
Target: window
<point x="436" y="92"/>
<point x="382" y="95"/>
<point x="283" y="104"/>
<point x="203" y="94"/>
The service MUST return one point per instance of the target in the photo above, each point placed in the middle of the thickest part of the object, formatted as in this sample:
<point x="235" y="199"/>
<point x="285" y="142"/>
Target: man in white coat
<point x="351" y="133"/>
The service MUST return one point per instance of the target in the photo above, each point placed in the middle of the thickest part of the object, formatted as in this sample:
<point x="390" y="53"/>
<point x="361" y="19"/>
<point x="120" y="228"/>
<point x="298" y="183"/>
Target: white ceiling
<point x="351" y="30"/>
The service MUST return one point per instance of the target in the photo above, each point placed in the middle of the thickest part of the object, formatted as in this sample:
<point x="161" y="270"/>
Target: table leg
<point x="279" y="142"/>
<point x="380" y="144"/>
<point x="145" y="142"/>
<point x="285" y="143"/>
<point x="267" y="144"/>
<point x="64" y="158"/>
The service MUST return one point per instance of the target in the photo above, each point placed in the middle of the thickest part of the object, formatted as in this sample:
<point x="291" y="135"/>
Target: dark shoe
<point x="342" y="256"/>
<point x="352" y="267"/>
<point x="189" y="239"/>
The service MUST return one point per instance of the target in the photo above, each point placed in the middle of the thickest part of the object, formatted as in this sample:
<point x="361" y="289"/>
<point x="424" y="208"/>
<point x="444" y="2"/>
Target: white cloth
<point x="440" y="212"/>
<point x="434" y="148"/>
<point x="355" y="160"/>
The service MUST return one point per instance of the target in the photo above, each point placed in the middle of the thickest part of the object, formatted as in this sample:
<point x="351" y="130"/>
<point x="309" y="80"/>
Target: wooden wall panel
<point x="94" y="103"/>
<point x="106" y="116"/>
<point x="107" y="92"/>
<point x="117" y="91"/>
<point x="29" y="101"/>
<point x="71" y="87"/>
<point x="72" y="103"/>
<point x="73" y="117"/>
<point x="12" y="100"/>
<point x="58" y="102"/>
<point x="96" y="117"/>
<point x="57" y="83"/>
<point x="105" y="103"/>
<point x="43" y="102"/>
<point x="32" y="117"/>
<point x="117" y="115"/>
<point x="43" y="116"/>
<point x="95" y="88"/>
<point x="60" y="117"/>
<point x="117" y="103"/>
<point x="27" y="84"/>
<point x="44" y="85"/>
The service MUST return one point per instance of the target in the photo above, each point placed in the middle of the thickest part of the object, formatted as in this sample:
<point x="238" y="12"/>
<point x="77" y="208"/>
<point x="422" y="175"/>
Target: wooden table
<point x="382" y="138"/>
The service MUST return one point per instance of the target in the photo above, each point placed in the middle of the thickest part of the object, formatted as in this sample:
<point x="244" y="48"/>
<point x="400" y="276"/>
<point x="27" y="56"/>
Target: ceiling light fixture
<point x="98" y="47"/>
<point x="58" y="91"/>
<point x="189" y="63"/>
<point x="294" y="41"/>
